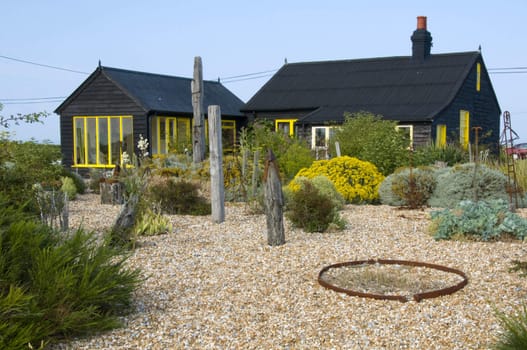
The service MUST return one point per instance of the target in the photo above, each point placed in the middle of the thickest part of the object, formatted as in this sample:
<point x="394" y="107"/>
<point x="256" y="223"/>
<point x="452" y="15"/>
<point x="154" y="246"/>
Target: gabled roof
<point x="164" y="93"/>
<point x="398" y="88"/>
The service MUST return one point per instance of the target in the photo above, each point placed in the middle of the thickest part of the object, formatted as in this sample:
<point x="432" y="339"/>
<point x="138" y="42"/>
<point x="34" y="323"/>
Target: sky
<point x="48" y="48"/>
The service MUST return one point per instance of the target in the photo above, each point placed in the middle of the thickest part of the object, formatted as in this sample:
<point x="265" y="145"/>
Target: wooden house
<point x="434" y="97"/>
<point x="108" y="112"/>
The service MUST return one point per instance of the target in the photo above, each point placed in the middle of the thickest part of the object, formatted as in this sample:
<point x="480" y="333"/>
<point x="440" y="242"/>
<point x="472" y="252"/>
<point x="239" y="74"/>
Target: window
<point x="320" y="136"/>
<point x="287" y="126"/>
<point x="464" y="128"/>
<point x="169" y="134"/>
<point x="408" y="130"/>
<point x="100" y="141"/>
<point x="228" y="134"/>
<point x="441" y="135"/>
<point x="478" y="77"/>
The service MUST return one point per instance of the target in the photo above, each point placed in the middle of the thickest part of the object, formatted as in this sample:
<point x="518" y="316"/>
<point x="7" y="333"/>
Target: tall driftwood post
<point x="216" y="165"/>
<point x="274" y="201"/>
<point x="198" y="130"/>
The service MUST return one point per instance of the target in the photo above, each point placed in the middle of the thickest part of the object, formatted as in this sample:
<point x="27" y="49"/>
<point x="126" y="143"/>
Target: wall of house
<point x="100" y="97"/>
<point x="483" y="107"/>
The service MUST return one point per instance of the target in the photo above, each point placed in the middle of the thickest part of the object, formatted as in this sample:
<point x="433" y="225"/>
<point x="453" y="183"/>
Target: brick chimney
<point x="421" y="41"/>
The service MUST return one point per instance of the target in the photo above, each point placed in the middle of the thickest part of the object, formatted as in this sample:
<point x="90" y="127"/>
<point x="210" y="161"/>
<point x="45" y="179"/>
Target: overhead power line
<point x="43" y="65"/>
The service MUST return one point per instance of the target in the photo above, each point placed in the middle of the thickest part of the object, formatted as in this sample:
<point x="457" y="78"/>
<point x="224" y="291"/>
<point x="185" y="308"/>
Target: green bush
<point x="79" y="182"/>
<point x="370" y="138"/>
<point x="357" y="181"/>
<point x="23" y="164"/>
<point x="152" y="223"/>
<point x="514" y="336"/>
<point x="322" y="184"/>
<point x="176" y="196"/>
<point x="462" y="182"/>
<point x="68" y="187"/>
<point x="311" y="210"/>
<point x="401" y="189"/>
<point x="450" y="154"/>
<point x="478" y="220"/>
<point x="296" y="157"/>
<point x="96" y="175"/>
<point x="53" y="286"/>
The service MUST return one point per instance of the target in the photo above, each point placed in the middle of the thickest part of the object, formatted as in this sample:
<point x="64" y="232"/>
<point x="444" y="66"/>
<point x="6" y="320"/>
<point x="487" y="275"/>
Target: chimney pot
<point x="421" y="22"/>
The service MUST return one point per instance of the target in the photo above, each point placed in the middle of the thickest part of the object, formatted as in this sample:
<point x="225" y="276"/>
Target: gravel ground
<point x="220" y="286"/>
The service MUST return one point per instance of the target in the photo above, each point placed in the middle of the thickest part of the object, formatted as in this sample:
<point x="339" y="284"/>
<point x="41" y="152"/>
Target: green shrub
<point x="176" y="196"/>
<point x="478" y="220"/>
<point x="514" y="336"/>
<point x="462" y="182"/>
<point x="68" y="187"/>
<point x="296" y="157"/>
<point x="152" y="223"/>
<point x="79" y="182"/>
<point x="412" y="191"/>
<point x="356" y="180"/>
<point x="23" y="164"/>
<point x="450" y="154"/>
<point x="370" y="138"/>
<point x="322" y="184"/>
<point x="311" y="210"/>
<point x="53" y="286"/>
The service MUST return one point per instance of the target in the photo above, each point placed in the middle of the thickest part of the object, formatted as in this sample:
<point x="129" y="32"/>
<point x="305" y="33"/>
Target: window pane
<point x="115" y="139"/>
<point x="103" y="141"/>
<point x="183" y="134"/>
<point x="320" y="137"/>
<point x="92" y="141"/>
<point x="284" y="127"/>
<point x="79" y="142"/>
<point x="162" y="136"/>
<point x="128" y="137"/>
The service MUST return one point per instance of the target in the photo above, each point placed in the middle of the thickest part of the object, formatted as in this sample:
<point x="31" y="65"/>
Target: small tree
<point x="25" y="118"/>
<point x="370" y="138"/>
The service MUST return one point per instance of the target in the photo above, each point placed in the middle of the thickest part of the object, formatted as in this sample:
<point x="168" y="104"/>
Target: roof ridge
<point x="154" y="74"/>
<point x="372" y="59"/>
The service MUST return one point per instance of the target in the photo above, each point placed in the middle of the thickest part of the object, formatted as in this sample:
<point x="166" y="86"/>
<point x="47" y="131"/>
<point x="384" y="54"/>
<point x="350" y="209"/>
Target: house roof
<point x="164" y="93"/>
<point x="398" y="88"/>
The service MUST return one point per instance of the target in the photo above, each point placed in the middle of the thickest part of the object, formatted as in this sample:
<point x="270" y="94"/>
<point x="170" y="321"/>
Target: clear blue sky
<point x="239" y="37"/>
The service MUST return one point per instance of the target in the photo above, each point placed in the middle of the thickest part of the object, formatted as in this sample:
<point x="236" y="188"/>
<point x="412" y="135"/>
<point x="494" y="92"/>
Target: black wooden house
<point x="106" y="115"/>
<point x="435" y="97"/>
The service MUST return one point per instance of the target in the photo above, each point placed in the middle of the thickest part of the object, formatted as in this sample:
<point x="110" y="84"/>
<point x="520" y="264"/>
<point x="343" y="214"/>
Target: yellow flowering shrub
<point x="356" y="180"/>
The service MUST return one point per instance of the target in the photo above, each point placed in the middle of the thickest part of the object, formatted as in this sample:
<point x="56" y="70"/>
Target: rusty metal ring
<point x="417" y="297"/>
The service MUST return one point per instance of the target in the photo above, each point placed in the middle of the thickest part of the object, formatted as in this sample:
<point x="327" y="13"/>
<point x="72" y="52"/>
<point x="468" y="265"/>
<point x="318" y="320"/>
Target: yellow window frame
<point x="464" y="128"/>
<point x="291" y="123"/>
<point x="85" y="149"/>
<point x="440" y="135"/>
<point x="478" y="77"/>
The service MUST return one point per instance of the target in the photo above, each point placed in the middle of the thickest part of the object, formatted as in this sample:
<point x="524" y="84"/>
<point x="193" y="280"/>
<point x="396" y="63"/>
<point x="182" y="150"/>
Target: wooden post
<point x="274" y="201"/>
<point x="216" y="167"/>
<point x="198" y="130"/>
<point x="337" y="148"/>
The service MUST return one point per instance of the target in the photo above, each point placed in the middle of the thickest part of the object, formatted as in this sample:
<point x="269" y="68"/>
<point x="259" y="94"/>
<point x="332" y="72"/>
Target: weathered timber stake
<point x="198" y="131"/>
<point x="274" y="201"/>
<point x="337" y="148"/>
<point x="216" y="168"/>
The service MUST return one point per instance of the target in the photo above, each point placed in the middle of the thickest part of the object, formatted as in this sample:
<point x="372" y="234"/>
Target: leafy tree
<point x="25" y="118"/>
<point x="370" y="138"/>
